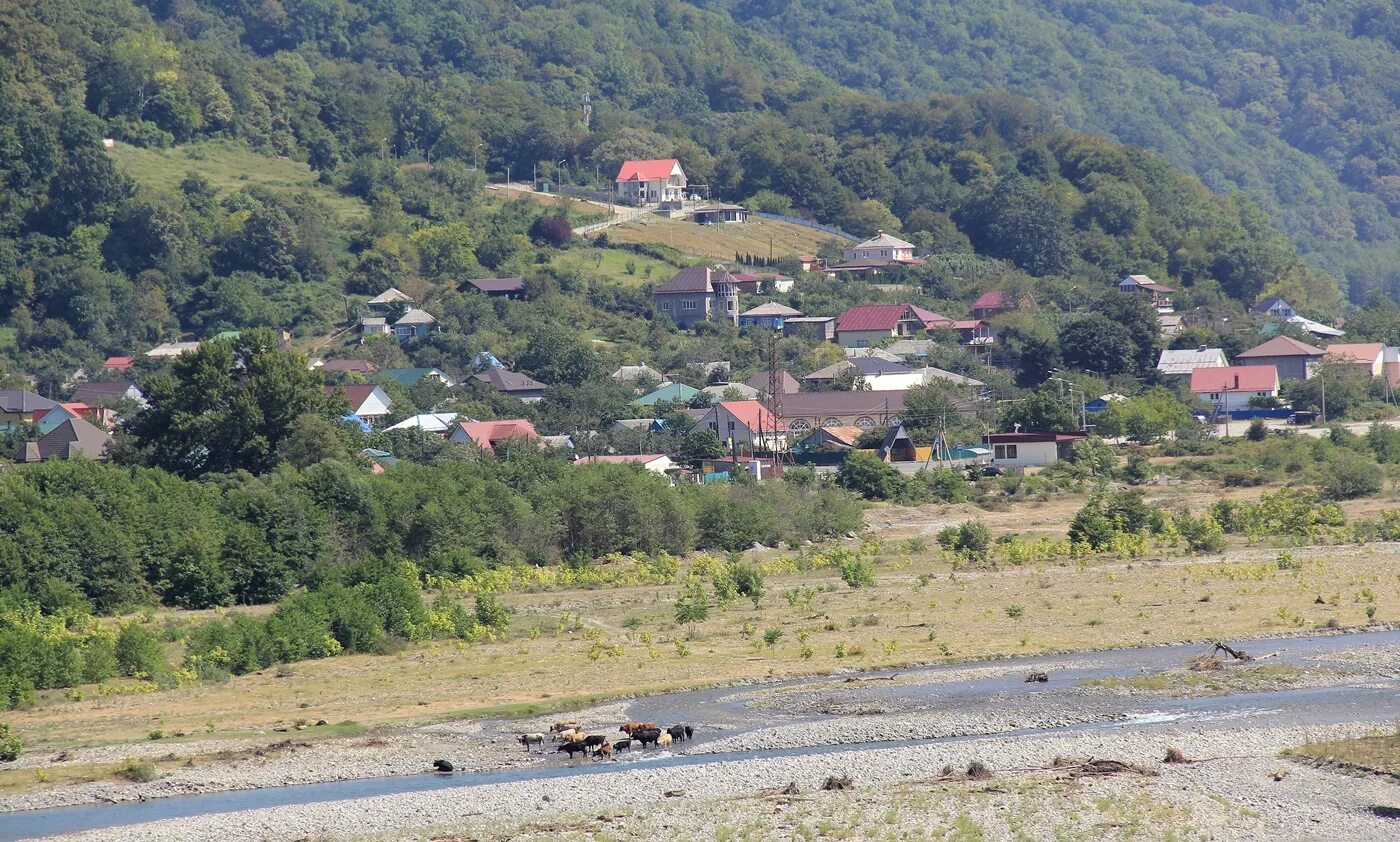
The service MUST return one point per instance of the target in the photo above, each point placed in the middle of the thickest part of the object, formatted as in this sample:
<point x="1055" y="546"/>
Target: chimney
<point x="1201" y="349"/>
<point x="879" y="232"/>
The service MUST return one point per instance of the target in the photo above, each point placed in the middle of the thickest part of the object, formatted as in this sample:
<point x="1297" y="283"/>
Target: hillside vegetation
<point x="96" y="263"/>
<point x="1294" y="103"/>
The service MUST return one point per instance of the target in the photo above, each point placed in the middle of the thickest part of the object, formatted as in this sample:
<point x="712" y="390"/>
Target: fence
<point x="807" y="223"/>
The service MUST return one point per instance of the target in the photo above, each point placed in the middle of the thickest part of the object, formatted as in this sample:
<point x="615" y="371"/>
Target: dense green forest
<point x="95" y="262"/>
<point x="1292" y="102"/>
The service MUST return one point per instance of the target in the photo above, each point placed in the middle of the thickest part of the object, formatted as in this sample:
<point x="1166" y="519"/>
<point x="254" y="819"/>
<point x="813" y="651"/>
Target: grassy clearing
<point x="1378" y="754"/>
<point x="1229" y="680"/>
<point x="569" y="648"/>
<point x="614" y="263"/>
<point x="231" y="167"/>
<point x="722" y="241"/>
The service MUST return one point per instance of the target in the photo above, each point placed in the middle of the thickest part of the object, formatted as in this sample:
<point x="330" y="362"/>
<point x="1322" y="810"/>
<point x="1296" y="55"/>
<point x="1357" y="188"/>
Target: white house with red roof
<point x="1231" y="388"/>
<point x="867" y="325"/>
<point x="650" y="182"/>
<point x="657" y="463"/>
<point x="742" y="423"/>
<point x="367" y="401"/>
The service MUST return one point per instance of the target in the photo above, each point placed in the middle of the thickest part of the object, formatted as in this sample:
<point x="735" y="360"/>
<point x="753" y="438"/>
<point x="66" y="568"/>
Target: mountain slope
<point x="1295" y="103"/>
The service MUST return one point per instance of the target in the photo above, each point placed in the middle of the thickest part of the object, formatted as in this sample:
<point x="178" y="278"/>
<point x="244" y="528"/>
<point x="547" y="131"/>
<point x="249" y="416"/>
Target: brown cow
<point x="604" y="751"/>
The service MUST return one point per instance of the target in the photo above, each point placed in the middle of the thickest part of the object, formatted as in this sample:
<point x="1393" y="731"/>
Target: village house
<point x="120" y="365"/>
<point x="73" y="438"/>
<point x="170" y="350"/>
<point x="787" y="384"/>
<point x="767" y="283"/>
<point x="670" y="393"/>
<point x="746" y="423"/>
<point x="387" y="299"/>
<point x="511" y="288"/>
<point x="720" y="213"/>
<point x="1169" y="324"/>
<point x="769" y="316"/>
<point x="364" y="368"/>
<point x="431" y="422"/>
<point x="870" y="324"/>
<point x="19" y="407"/>
<point x="820" y="328"/>
<point x="101" y="417"/>
<point x="108" y="392"/>
<point x="1364" y="357"/>
<point x="730" y="392"/>
<point x="1292" y="359"/>
<point x="409" y="376"/>
<point x="414" y="324"/>
<point x="1235" y="388"/>
<point x="1275" y="308"/>
<point x="631" y="375"/>
<point x="1180" y="363"/>
<point x="1143" y="285"/>
<point x="989" y="305"/>
<point x="806" y="411"/>
<point x="657" y="463"/>
<point x="491" y="435"/>
<point x="873" y="256"/>
<point x="1031" y="450"/>
<point x="367" y="402"/>
<point x="517" y="385"/>
<point x="650" y="182"/>
<point x="698" y="294"/>
<point x="974" y="333"/>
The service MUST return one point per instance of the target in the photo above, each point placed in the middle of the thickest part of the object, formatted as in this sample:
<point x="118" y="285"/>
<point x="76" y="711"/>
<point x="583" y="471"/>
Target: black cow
<point x="573" y="748"/>
<point x="677" y="732"/>
<point x="593" y="741"/>
<point x="623" y="745"/>
<point x="689" y="732"/>
<point x="647" y="737"/>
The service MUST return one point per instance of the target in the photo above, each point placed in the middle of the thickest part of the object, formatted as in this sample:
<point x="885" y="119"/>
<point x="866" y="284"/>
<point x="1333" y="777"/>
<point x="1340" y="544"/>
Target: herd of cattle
<point x="575" y="740"/>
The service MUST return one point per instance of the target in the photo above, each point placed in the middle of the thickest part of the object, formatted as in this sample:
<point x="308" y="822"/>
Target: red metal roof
<point x="620" y="459"/>
<point x="871" y="317"/>
<point x="1356" y="352"/>
<point x="1234" y="378"/>
<point x="119" y="363"/>
<point x="651" y="170"/>
<point x="994" y="300"/>
<point x="1280" y="346"/>
<point x="487" y="433"/>
<point x="751" y="414"/>
<point x="967" y="324"/>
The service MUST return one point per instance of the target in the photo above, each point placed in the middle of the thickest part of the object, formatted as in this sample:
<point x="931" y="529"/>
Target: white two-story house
<point x="650" y="182"/>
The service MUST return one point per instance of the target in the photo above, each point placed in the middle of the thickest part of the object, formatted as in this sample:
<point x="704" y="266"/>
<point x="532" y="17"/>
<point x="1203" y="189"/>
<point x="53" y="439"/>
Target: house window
<point x="862" y="343"/>
<point x="687" y="305"/>
<point x="832" y="422"/>
<point x="714" y="425"/>
<point x="865" y="422"/>
<point x="894" y="421"/>
<point x="1215" y="396"/>
<point x="731" y="428"/>
<point x="799" y="426"/>
<point x="666" y="305"/>
<point x="1004" y="451"/>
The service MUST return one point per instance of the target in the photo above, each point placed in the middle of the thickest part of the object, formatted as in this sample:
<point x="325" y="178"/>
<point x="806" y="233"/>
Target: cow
<point x="623" y="745"/>
<point x="629" y="727"/>
<point x="563" y="726"/>
<point x="568" y="736"/>
<point x="677" y="732"/>
<point x="604" y="751"/>
<point x="689" y="733"/>
<point x="528" y="740"/>
<point x="573" y="748"/>
<point x="663" y="740"/>
<point x="647" y="736"/>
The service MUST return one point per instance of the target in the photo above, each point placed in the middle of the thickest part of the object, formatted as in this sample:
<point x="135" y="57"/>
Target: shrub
<point x="10" y="745"/>
<point x="1347" y="475"/>
<point x="692" y="606"/>
<point x="491" y="612"/>
<point x="1202" y="534"/>
<point x="136" y="771"/>
<point x="970" y="540"/>
<point x="138" y="652"/>
<point x="857" y="573"/>
<point x="1015" y="611"/>
<point x="747" y="579"/>
<point x="1138" y="470"/>
<point x="864" y="474"/>
<point x="945" y="485"/>
<point x="772" y="636"/>
<point x="1256" y="431"/>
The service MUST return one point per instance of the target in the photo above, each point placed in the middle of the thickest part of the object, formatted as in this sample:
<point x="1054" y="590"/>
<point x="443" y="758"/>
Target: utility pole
<point x="775" y="395"/>
<point x="1323" y="380"/>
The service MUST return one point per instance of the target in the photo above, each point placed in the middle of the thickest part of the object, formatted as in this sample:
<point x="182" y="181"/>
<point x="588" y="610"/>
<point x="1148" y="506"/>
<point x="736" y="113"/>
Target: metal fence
<point x="807" y="223"/>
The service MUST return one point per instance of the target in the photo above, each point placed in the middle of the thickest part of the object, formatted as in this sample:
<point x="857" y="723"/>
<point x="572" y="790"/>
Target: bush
<point x="692" y="606"/>
<point x="864" y="474"/>
<point x="138" y="652"/>
<point x="747" y="580"/>
<point x="970" y="540"/>
<point x="1256" y="431"/>
<point x="1202" y="534"/>
<point x="136" y="771"/>
<point x="857" y="573"/>
<point x="1138" y="470"/>
<point x="10" y="745"/>
<point x="1347" y="475"/>
<point x="491" y="612"/>
<point x="945" y="485"/>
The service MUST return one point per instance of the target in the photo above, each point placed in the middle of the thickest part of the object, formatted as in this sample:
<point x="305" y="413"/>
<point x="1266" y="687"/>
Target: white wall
<point x="1028" y="454"/>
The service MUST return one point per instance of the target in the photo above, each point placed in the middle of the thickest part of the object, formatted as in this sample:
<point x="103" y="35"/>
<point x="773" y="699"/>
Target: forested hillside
<point x="96" y="261"/>
<point x="1293" y="102"/>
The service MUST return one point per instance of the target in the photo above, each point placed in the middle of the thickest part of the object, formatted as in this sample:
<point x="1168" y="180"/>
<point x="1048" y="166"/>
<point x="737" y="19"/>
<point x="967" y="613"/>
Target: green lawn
<point x="612" y="263"/>
<point x="230" y="167"/>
